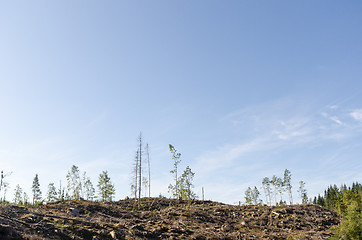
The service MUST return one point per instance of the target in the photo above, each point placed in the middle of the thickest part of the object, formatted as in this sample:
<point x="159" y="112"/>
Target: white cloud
<point x="289" y="135"/>
<point x="267" y="134"/>
<point x="226" y="155"/>
<point x="357" y="114"/>
<point x="336" y="120"/>
<point x="281" y="124"/>
<point x="333" y="107"/>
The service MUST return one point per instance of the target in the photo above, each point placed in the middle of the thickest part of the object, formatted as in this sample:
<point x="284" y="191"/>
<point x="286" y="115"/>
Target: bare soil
<point x="160" y="218"/>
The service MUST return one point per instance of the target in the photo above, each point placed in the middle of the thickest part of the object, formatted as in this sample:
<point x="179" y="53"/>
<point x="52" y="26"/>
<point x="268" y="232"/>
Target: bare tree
<point x="61" y="191"/>
<point x="149" y="169"/>
<point x="136" y="186"/>
<point x="139" y="169"/>
<point x="4" y="185"/>
<point x="145" y="186"/>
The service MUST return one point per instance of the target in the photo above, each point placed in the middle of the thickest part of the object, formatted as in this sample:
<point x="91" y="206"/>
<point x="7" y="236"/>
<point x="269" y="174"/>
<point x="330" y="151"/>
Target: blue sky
<point x="243" y="89"/>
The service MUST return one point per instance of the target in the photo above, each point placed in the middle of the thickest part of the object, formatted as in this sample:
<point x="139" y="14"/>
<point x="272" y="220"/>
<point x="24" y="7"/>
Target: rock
<point x="225" y="228"/>
<point x="277" y="214"/>
<point x="113" y="234"/>
<point x="74" y="212"/>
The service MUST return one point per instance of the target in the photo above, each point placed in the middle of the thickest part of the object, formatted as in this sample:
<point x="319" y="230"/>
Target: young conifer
<point x="106" y="188"/>
<point x="36" y="190"/>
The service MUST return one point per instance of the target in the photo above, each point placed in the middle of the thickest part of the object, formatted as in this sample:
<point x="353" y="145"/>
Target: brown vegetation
<point x="160" y="218"/>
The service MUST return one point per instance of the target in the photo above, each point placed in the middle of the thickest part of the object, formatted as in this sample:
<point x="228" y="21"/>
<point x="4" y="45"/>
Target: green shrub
<point x="351" y="224"/>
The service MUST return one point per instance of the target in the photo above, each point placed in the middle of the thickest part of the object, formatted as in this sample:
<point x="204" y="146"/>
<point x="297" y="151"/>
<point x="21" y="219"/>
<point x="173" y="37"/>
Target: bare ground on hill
<point x="160" y="218"/>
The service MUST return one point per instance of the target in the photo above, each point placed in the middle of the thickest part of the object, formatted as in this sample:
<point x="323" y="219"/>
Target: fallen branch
<point x="108" y="216"/>
<point x="16" y="220"/>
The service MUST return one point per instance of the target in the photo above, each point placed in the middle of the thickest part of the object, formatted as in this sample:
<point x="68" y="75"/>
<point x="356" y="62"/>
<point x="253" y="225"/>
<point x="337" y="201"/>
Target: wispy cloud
<point x="357" y="115"/>
<point x="96" y="120"/>
<point x="333" y="107"/>
<point x="334" y="119"/>
<point x="272" y="130"/>
<point x="224" y="156"/>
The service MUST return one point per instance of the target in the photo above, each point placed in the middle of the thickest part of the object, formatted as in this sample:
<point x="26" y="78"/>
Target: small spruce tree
<point x="36" y="190"/>
<point x="106" y="188"/>
<point x="18" y="196"/>
<point x="74" y="185"/>
<point x="89" y="190"/>
<point x="51" y="193"/>
<point x="303" y="192"/>
<point x="186" y="185"/>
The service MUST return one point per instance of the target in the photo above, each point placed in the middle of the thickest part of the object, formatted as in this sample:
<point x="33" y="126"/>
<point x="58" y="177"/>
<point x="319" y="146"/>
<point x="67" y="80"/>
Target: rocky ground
<point x="160" y="218"/>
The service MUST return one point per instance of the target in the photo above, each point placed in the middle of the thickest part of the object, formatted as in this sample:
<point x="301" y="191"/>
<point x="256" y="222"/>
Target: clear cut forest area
<point x="76" y="212"/>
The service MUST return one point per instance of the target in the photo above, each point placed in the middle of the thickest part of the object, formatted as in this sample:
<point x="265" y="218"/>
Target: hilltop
<point x="160" y="218"/>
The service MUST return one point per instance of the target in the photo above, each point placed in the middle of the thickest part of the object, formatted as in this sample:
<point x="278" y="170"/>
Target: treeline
<point x="78" y="186"/>
<point x="336" y="197"/>
<point x="347" y="201"/>
<point x="274" y="189"/>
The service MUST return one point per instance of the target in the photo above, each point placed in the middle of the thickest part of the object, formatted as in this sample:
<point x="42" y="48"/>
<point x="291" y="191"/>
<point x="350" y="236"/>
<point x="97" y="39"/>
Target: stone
<point x="113" y="234"/>
<point x="74" y="212"/>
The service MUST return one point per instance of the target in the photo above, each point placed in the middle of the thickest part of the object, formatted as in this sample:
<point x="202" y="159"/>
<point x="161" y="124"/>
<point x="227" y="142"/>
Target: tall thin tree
<point x="288" y="185"/>
<point x="274" y="182"/>
<point x="267" y="190"/>
<point x="36" y="189"/>
<point x="61" y="191"/>
<point x="4" y="185"/>
<point x="303" y="192"/>
<point x="280" y="186"/>
<point x="74" y="185"/>
<point x="174" y="189"/>
<point x="149" y="169"/>
<point x="140" y="169"/>
<point x="134" y="186"/>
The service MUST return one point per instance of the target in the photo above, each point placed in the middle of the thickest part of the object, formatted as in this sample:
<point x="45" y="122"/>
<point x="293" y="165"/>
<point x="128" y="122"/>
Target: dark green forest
<point x="347" y="201"/>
